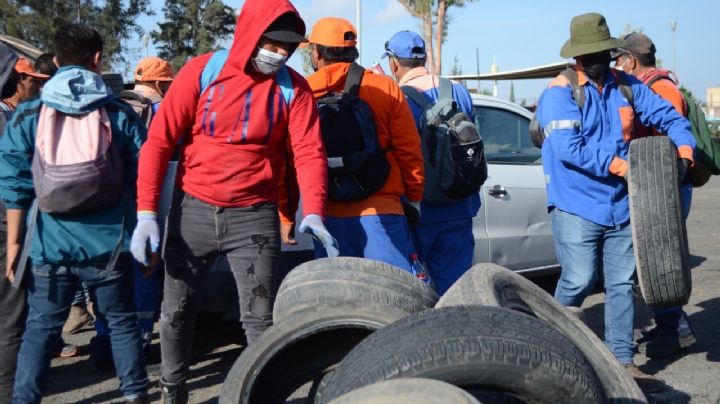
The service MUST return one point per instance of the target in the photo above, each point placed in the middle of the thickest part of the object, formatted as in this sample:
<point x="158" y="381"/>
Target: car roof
<point x="480" y="100"/>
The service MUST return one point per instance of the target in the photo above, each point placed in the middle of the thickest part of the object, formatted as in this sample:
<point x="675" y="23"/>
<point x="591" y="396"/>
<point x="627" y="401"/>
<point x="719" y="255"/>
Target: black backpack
<point x="537" y="134"/>
<point x="357" y="165"/>
<point x="453" y="150"/>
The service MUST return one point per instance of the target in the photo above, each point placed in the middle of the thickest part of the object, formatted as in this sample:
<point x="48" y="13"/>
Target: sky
<point x="525" y="33"/>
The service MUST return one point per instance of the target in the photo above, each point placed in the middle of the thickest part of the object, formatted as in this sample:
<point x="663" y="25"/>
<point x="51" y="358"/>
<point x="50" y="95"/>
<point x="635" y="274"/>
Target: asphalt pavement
<point x="694" y="375"/>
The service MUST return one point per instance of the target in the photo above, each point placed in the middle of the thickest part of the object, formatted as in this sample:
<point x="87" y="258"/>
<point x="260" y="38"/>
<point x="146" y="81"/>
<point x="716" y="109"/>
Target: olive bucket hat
<point x="589" y="33"/>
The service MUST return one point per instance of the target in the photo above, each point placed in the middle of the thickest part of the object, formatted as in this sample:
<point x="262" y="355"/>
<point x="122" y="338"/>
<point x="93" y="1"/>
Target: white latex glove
<point x="313" y="225"/>
<point x="146" y="230"/>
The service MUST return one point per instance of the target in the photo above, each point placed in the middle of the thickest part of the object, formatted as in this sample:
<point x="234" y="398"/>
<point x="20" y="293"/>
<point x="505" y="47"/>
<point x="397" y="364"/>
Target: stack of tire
<point x="360" y="331"/>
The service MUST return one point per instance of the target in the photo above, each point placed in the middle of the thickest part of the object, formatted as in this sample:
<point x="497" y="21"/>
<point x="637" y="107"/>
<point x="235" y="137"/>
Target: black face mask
<point x="596" y="64"/>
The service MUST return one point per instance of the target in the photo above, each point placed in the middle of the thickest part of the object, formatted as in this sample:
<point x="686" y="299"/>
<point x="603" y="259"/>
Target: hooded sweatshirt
<point x="72" y="239"/>
<point x="234" y="134"/>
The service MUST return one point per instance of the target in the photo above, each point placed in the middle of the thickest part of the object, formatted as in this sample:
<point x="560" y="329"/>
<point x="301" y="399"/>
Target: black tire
<point x="299" y="350"/>
<point x="408" y="391"/>
<point x="493" y="285"/>
<point x="658" y="228"/>
<point x="473" y="347"/>
<point x="358" y="282"/>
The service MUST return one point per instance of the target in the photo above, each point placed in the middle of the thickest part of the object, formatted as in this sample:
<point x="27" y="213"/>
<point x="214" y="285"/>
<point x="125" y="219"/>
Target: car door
<point x="517" y="232"/>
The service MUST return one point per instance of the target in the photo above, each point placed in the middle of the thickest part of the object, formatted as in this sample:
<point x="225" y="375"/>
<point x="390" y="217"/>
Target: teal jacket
<point x="71" y="239"/>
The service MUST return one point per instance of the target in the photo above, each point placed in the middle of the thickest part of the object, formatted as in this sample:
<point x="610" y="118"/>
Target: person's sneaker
<point x="173" y="393"/>
<point x="142" y="399"/>
<point x="646" y="382"/>
<point x="77" y="320"/>
<point x="68" y="351"/>
<point x="658" y="343"/>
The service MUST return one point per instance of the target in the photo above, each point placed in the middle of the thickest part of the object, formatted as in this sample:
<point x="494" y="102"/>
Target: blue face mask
<point x="268" y="62"/>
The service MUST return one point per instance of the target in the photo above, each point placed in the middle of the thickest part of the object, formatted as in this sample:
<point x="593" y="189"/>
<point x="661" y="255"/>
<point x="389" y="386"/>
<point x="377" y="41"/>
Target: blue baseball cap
<point x="405" y="45"/>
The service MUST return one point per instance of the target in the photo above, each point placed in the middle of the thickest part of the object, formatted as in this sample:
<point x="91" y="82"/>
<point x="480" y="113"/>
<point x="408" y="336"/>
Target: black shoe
<point x="661" y="342"/>
<point x="101" y="352"/>
<point x="173" y="393"/>
<point x="143" y="399"/>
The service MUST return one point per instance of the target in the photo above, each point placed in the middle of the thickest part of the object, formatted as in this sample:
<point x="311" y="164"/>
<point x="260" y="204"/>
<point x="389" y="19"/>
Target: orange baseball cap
<point x="154" y="69"/>
<point x="24" y="66"/>
<point x="334" y="32"/>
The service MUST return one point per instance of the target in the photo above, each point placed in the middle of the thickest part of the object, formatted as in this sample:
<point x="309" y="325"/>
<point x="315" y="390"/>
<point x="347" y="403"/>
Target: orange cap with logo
<point x="333" y="32"/>
<point x="24" y="66"/>
<point x="154" y="69"/>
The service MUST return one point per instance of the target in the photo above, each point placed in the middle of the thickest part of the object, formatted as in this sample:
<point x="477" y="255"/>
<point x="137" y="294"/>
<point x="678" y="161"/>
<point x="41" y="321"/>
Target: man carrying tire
<point x="370" y="225"/>
<point x="584" y="160"/>
<point x="673" y="331"/>
<point x="234" y="127"/>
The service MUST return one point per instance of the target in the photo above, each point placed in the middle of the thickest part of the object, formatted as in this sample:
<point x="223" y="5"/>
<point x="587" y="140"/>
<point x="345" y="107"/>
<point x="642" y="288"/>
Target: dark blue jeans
<point x="51" y="289"/>
<point x="582" y="248"/>
<point x="196" y="233"/>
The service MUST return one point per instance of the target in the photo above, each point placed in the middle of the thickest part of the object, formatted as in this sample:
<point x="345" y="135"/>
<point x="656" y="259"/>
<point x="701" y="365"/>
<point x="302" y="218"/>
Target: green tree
<point x="192" y="27"/>
<point x="35" y="21"/>
<point x="512" y="92"/>
<point x="434" y="19"/>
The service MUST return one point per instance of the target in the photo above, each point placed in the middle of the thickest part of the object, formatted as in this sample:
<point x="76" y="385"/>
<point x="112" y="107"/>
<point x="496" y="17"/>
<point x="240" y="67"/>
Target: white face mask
<point x="268" y="62"/>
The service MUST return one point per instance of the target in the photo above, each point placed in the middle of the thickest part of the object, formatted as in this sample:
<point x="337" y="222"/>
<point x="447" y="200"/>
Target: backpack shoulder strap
<point x="286" y="85"/>
<point x="659" y="77"/>
<point x="578" y="92"/>
<point x="445" y="90"/>
<point x="420" y="98"/>
<point x="625" y="88"/>
<point x="136" y="100"/>
<point x="353" y="79"/>
<point x="213" y="68"/>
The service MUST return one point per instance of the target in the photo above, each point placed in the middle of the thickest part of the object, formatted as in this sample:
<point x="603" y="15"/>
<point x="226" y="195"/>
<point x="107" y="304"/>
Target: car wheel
<point x="493" y="285"/>
<point x="408" y="391"/>
<point x="299" y="350"/>
<point x="658" y="228"/>
<point x="473" y="347"/>
<point x="356" y="282"/>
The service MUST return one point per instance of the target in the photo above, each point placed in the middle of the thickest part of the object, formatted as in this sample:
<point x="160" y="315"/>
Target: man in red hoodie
<point x="234" y="134"/>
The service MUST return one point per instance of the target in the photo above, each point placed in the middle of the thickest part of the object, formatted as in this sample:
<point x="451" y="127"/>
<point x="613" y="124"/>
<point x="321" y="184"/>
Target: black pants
<point x="13" y="310"/>
<point x="196" y="232"/>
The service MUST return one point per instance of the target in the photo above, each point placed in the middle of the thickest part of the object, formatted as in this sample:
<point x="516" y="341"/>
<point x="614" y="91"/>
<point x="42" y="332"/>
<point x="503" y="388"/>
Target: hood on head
<point x="255" y="17"/>
<point x="74" y="90"/>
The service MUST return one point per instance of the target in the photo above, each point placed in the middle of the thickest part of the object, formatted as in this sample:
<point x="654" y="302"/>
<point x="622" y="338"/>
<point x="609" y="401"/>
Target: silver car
<point x="512" y="228"/>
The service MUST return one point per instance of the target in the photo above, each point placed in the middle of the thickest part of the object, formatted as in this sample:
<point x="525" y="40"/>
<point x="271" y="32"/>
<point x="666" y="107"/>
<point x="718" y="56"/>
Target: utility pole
<point x="358" y="17"/>
<point x="673" y="27"/>
<point x="477" y="67"/>
<point x="146" y="41"/>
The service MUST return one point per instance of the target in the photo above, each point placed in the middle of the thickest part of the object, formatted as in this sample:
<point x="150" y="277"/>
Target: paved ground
<point x="694" y="376"/>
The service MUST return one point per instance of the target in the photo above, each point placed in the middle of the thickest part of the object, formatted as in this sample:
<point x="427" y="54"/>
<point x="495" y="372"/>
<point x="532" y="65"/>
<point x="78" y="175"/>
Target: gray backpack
<point x="75" y="168"/>
<point x="453" y="150"/>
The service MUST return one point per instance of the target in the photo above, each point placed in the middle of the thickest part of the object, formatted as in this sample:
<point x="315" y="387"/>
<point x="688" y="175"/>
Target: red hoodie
<point x="234" y="135"/>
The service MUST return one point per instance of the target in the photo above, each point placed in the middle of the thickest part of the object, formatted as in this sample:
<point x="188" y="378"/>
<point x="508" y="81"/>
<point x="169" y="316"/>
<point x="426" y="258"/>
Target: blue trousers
<point x="446" y="248"/>
<point x="51" y="290"/>
<point x="582" y="247"/>
<point x="383" y="238"/>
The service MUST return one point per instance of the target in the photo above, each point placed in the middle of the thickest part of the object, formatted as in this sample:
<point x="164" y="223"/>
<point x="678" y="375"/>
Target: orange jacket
<point x="396" y="133"/>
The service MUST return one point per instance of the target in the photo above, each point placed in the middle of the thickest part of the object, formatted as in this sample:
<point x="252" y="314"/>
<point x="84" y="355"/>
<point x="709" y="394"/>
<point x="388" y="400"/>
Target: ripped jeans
<point x="196" y="233"/>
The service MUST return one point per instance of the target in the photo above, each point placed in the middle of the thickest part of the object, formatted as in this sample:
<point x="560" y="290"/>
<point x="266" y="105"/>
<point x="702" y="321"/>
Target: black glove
<point x="683" y="165"/>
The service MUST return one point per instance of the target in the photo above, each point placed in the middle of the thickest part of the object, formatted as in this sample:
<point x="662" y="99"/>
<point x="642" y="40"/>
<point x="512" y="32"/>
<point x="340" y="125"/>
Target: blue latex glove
<point x="146" y="230"/>
<point x="313" y="225"/>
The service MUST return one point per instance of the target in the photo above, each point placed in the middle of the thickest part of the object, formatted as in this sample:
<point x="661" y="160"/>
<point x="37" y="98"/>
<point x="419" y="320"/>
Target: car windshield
<point x="506" y="136"/>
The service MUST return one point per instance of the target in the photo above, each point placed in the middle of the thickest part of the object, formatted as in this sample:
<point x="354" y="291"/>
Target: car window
<point x="506" y="136"/>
